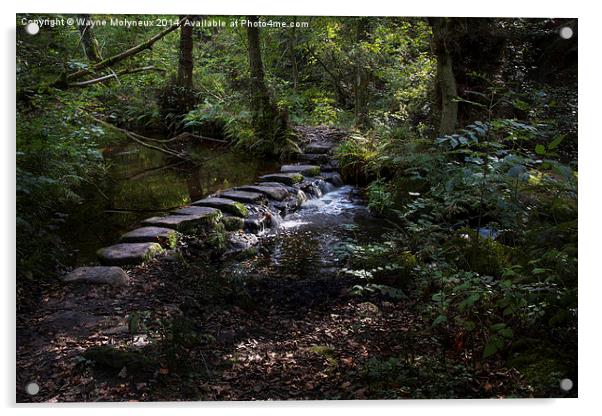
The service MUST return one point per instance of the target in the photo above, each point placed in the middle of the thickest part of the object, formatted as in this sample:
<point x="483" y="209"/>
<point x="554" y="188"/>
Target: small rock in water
<point x="108" y="275"/>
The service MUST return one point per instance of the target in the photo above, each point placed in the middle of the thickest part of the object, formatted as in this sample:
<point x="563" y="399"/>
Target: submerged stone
<point x="306" y="170"/>
<point x="128" y="253"/>
<point x="273" y="192"/>
<point x="107" y="275"/>
<point x="225" y="205"/>
<point x="243" y="196"/>
<point x="167" y="237"/>
<point x="289" y="178"/>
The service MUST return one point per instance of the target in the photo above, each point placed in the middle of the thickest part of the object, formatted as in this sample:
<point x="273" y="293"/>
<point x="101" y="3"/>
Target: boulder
<point x="332" y="177"/>
<point x="225" y="205"/>
<point x="247" y="197"/>
<point x="164" y="236"/>
<point x="97" y="275"/>
<point x="277" y="193"/>
<point x="306" y="170"/>
<point x="128" y="253"/>
<point x="289" y="178"/>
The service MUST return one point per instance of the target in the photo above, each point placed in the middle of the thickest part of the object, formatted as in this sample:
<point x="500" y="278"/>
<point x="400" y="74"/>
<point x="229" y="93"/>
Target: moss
<point x="233" y="223"/>
<point x="216" y="237"/>
<point x="326" y="352"/>
<point x="297" y="177"/>
<point x="153" y="250"/>
<point x="239" y="210"/>
<point x="313" y="171"/>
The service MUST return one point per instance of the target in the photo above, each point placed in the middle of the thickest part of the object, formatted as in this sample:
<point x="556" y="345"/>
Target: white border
<point x="590" y="152"/>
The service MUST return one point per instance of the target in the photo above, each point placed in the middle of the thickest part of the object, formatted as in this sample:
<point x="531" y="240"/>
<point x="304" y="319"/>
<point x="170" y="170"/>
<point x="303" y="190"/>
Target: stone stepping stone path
<point x="167" y="237"/>
<point x="124" y="254"/>
<point x="224" y="205"/>
<point x="251" y="208"/>
<point x="305" y="170"/>
<point x="104" y="275"/>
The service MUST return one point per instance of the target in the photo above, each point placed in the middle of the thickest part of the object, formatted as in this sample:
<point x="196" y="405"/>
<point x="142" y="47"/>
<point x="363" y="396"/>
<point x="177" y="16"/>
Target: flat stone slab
<point x="290" y="178"/>
<point x="277" y="193"/>
<point x="195" y="211"/>
<point x="128" y="253"/>
<point x="314" y="157"/>
<point x="97" y="275"/>
<point x="318" y="148"/>
<point x="184" y="223"/>
<point x="243" y="196"/>
<point x="224" y="205"/>
<point x="306" y="170"/>
<point x="167" y="237"/>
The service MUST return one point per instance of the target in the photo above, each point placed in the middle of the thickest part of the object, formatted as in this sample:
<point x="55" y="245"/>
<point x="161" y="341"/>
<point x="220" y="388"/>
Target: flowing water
<point x="302" y="258"/>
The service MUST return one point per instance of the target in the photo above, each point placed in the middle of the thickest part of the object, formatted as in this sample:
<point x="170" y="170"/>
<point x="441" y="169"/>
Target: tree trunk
<point x="361" y="76"/>
<point x="185" y="62"/>
<point x="445" y="75"/>
<point x="267" y="121"/>
<point x="292" y="44"/>
<point x="89" y="42"/>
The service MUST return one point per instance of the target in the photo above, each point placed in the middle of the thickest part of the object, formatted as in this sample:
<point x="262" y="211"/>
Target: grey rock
<point x="333" y="177"/>
<point x="164" y="236"/>
<point x="97" y="275"/>
<point x="224" y="204"/>
<point x="289" y="178"/>
<point x="277" y="193"/>
<point x="194" y="211"/>
<point x="318" y="148"/>
<point x="313" y="158"/>
<point x="247" y="197"/>
<point x="306" y="170"/>
<point x="185" y="223"/>
<point x="128" y="253"/>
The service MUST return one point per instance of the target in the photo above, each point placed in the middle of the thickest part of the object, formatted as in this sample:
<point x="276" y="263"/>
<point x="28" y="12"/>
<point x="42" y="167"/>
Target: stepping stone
<point x="306" y="170"/>
<point x="194" y="211"/>
<point x="318" y="148"/>
<point x="285" y="178"/>
<point x="97" y="275"/>
<point x="243" y="196"/>
<point x="314" y="158"/>
<point x="332" y="177"/>
<point x="164" y="236"/>
<point x="273" y="192"/>
<point x="128" y="253"/>
<point x="185" y="223"/>
<point x="225" y="205"/>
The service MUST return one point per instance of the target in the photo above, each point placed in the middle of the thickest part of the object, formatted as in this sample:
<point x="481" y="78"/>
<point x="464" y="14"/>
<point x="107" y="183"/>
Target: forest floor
<point x="277" y="339"/>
